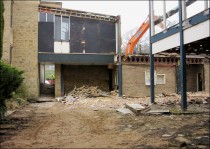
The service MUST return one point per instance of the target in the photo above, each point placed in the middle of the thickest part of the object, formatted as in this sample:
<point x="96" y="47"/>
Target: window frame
<point x="164" y="79"/>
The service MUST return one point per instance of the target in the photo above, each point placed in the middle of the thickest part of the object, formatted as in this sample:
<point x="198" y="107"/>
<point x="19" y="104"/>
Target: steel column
<point x="151" y="33"/>
<point x="182" y="62"/>
<point x="119" y="57"/>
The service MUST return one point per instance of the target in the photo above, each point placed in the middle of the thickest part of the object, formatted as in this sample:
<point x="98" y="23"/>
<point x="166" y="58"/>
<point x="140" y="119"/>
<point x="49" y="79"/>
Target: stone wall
<point x="25" y="39"/>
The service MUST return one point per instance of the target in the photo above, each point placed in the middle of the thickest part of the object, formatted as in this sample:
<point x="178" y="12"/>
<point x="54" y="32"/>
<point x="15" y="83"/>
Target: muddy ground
<point x="94" y="123"/>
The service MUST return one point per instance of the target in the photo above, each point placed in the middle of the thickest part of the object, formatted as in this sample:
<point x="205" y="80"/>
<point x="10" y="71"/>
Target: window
<point x="10" y="55"/>
<point x="161" y="79"/>
<point x="50" y="17"/>
<point x="11" y="13"/>
<point x="57" y="27"/>
<point x="147" y="78"/>
<point x="65" y="29"/>
<point x="42" y="17"/>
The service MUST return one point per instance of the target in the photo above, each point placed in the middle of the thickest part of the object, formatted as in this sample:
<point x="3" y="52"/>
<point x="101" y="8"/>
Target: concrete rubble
<point x="138" y="109"/>
<point x="87" y="92"/>
<point x="82" y="93"/>
<point x="124" y="111"/>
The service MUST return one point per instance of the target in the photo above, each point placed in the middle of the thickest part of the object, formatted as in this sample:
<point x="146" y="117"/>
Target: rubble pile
<point x="82" y="93"/>
<point x="87" y="92"/>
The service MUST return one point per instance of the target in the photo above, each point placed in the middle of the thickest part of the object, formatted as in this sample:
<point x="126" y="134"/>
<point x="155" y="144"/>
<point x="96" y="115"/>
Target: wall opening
<point x="47" y="79"/>
<point x="199" y="82"/>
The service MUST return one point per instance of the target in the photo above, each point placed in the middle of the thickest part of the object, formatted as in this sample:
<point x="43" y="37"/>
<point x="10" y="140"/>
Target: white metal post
<point x="152" y="18"/>
<point x="184" y="11"/>
<point x="205" y="4"/>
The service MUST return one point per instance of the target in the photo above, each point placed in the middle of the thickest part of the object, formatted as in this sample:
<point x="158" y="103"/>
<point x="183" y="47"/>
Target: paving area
<point x="95" y="123"/>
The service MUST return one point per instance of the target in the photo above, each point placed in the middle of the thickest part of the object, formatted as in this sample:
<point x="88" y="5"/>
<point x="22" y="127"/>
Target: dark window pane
<point x="50" y="18"/>
<point x="57" y="27"/>
<point x="65" y="29"/>
<point x="42" y="17"/>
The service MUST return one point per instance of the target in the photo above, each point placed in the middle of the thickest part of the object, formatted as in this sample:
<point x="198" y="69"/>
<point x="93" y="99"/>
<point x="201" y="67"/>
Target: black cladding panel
<point x="46" y="37"/>
<point x="92" y="36"/>
<point x="107" y="30"/>
<point x="76" y="34"/>
<point x="92" y="41"/>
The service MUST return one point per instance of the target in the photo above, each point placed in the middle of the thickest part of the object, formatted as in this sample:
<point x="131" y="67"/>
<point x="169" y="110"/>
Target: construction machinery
<point x="137" y="36"/>
<point x="145" y="25"/>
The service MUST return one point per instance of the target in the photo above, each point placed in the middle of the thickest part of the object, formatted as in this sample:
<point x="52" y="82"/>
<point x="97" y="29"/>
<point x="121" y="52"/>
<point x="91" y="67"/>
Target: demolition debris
<point x="82" y="93"/>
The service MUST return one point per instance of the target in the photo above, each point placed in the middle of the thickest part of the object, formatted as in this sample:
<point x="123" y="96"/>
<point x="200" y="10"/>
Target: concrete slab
<point x="136" y="108"/>
<point x="124" y="111"/>
<point x="159" y="111"/>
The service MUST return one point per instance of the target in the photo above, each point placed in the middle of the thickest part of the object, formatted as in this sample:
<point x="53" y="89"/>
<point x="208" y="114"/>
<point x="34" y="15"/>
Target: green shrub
<point x="10" y="79"/>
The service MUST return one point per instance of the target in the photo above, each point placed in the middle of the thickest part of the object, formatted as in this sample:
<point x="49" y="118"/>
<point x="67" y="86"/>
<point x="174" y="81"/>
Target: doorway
<point x="199" y="82"/>
<point x="47" y="79"/>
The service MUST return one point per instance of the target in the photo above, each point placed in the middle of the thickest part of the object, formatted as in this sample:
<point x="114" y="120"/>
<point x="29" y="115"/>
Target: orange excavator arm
<point x="139" y="33"/>
<point x="135" y="38"/>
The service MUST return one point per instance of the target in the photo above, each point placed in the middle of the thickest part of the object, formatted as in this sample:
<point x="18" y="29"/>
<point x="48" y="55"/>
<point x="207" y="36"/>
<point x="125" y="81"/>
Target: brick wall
<point x="7" y="40"/>
<point x="207" y="75"/>
<point x="78" y="76"/>
<point x="25" y="38"/>
<point x="57" y="80"/>
<point x="133" y="79"/>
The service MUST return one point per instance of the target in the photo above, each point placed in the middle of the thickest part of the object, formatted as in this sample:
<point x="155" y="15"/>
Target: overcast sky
<point x="132" y="13"/>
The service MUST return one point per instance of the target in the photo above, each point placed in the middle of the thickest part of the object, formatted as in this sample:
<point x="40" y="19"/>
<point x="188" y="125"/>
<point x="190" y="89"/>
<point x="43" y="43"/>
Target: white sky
<point x="132" y="13"/>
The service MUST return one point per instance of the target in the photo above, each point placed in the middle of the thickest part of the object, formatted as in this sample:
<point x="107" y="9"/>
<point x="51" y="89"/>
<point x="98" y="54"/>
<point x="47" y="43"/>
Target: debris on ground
<point x="137" y="108"/>
<point x="82" y="93"/>
<point x="160" y="111"/>
<point x="87" y="92"/>
<point x="124" y="111"/>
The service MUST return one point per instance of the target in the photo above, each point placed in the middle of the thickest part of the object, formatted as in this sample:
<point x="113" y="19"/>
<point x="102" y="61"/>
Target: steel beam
<point x="151" y="33"/>
<point x="182" y="62"/>
<point x="173" y="11"/>
<point x="78" y="59"/>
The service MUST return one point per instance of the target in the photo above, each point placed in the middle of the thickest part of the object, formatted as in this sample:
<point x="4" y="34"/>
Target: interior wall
<point x="79" y="75"/>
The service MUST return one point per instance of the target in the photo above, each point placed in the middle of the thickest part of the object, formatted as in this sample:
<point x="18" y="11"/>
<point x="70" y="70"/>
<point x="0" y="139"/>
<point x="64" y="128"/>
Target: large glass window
<point x="42" y="17"/>
<point x="65" y="29"/>
<point x="57" y="27"/>
<point x="50" y="18"/>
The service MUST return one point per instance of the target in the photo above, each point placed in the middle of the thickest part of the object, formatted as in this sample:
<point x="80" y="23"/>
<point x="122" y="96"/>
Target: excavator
<point x="145" y="25"/>
<point x="137" y="36"/>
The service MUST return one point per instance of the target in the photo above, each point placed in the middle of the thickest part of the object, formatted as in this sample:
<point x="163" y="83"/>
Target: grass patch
<point x="49" y="74"/>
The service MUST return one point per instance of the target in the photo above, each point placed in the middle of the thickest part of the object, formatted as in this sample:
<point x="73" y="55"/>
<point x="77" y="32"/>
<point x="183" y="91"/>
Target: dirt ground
<point x="94" y="123"/>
